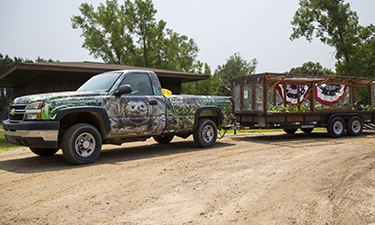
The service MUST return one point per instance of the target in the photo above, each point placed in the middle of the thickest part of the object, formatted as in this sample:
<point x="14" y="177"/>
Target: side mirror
<point x="123" y="89"/>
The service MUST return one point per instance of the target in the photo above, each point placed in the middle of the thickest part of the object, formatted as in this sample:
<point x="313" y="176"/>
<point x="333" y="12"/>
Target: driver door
<point x="141" y="111"/>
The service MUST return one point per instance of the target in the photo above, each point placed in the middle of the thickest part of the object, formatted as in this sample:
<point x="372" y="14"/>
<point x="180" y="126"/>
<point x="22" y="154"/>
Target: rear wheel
<point x="163" y="139"/>
<point x="81" y="144"/>
<point x="354" y="126"/>
<point x="206" y="133"/>
<point x="290" y="131"/>
<point x="44" y="151"/>
<point x="336" y="127"/>
<point x="307" y="130"/>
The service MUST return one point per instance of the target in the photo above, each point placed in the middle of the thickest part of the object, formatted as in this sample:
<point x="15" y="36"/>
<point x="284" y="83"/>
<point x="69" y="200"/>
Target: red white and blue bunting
<point x="329" y="94"/>
<point x="292" y="94"/>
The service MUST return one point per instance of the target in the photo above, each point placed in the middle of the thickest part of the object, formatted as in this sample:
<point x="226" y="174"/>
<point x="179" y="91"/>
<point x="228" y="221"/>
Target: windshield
<point x="100" y="83"/>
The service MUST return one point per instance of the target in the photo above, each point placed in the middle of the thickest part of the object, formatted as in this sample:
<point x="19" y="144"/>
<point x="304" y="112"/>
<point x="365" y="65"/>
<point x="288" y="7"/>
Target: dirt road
<point x="266" y="178"/>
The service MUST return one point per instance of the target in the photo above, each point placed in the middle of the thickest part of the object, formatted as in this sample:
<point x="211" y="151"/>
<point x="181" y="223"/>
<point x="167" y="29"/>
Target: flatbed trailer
<point x="293" y="101"/>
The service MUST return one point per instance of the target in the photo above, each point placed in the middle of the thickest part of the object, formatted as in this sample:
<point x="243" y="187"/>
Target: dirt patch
<point x="266" y="178"/>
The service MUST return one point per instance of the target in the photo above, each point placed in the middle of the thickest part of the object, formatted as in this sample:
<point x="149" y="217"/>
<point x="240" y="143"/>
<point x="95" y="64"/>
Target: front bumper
<point x="37" y="134"/>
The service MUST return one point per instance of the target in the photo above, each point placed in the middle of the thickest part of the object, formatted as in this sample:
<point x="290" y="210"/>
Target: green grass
<point x="4" y="144"/>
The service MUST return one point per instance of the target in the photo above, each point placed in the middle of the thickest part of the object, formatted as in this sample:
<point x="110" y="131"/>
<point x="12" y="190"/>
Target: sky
<point x="220" y="28"/>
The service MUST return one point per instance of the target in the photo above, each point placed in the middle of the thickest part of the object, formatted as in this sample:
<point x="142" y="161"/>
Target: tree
<point x="38" y="60"/>
<point x="130" y="35"/>
<point x="178" y="52"/>
<point x="313" y="69"/>
<point x="235" y="66"/>
<point x="332" y="21"/>
<point x="204" y="87"/>
<point x="105" y="32"/>
<point x="338" y="26"/>
<point x="362" y="61"/>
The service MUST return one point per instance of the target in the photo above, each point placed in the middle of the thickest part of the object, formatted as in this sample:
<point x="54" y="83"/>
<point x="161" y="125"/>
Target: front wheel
<point x="44" y="151"/>
<point x="81" y="144"/>
<point x="163" y="139"/>
<point x="206" y="133"/>
<point x="354" y="126"/>
<point x="336" y="127"/>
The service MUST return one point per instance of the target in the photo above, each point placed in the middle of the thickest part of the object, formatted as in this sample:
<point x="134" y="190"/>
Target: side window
<point x="139" y="82"/>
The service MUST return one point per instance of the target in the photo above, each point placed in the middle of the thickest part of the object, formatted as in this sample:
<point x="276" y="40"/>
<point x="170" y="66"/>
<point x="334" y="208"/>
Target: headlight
<point x="33" y="111"/>
<point x="34" y="105"/>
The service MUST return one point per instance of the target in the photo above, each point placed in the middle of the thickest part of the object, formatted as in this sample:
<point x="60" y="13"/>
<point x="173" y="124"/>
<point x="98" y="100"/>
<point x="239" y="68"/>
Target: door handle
<point x="153" y="102"/>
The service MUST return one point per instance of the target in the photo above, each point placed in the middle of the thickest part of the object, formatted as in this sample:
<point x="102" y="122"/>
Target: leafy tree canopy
<point x="330" y="20"/>
<point x="362" y="62"/>
<point x="129" y="34"/>
<point x="39" y="59"/>
<point x="6" y="62"/>
<point x="312" y="68"/>
<point x="335" y="24"/>
<point x="235" y="66"/>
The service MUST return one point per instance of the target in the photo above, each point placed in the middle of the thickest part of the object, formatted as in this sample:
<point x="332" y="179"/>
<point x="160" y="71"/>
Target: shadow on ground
<point x="120" y="154"/>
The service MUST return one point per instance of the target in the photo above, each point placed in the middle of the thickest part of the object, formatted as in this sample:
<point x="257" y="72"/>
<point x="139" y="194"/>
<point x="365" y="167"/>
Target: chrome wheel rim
<point x="356" y="126"/>
<point x="338" y="127"/>
<point x="207" y="133"/>
<point x="85" y="145"/>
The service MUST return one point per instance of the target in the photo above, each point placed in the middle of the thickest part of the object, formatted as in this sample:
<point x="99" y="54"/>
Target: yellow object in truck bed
<point x="166" y="92"/>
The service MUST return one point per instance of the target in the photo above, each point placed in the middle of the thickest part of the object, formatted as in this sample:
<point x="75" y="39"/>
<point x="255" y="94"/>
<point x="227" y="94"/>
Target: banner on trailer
<point x="292" y="94"/>
<point x="329" y="94"/>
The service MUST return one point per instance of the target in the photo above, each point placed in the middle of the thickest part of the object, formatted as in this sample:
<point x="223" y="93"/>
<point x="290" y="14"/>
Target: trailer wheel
<point x="354" y="126"/>
<point x="81" y="144"/>
<point x="163" y="139"/>
<point x="44" y="151"/>
<point x="336" y="127"/>
<point x="307" y="130"/>
<point x="206" y="133"/>
<point x="290" y="131"/>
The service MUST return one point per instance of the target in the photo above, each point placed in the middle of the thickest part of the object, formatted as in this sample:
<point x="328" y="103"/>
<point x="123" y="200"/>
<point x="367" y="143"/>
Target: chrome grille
<point x="16" y="112"/>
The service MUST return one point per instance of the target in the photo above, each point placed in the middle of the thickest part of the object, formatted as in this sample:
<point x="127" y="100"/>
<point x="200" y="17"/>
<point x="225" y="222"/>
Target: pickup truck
<point x="113" y="108"/>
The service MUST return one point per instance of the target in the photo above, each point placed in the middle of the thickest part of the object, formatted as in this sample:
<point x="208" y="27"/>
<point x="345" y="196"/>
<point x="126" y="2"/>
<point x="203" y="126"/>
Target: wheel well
<point x="212" y="114"/>
<point x="92" y="118"/>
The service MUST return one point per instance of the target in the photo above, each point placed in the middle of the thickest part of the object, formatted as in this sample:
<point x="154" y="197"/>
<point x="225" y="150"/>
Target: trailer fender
<point x="344" y="116"/>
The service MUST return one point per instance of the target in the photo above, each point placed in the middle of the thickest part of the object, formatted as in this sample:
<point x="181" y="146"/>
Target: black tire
<point x="81" y="144"/>
<point x="163" y="139"/>
<point x="307" y="130"/>
<point x="354" y="126"/>
<point x="206" y="133"/>
<point x="290" y="131"/>
<point x="336" y="127"/>
<point x="44" y="151"/>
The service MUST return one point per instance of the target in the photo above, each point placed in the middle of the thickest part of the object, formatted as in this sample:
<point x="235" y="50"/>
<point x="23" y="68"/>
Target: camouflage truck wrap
<point x="113" y="108"/>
